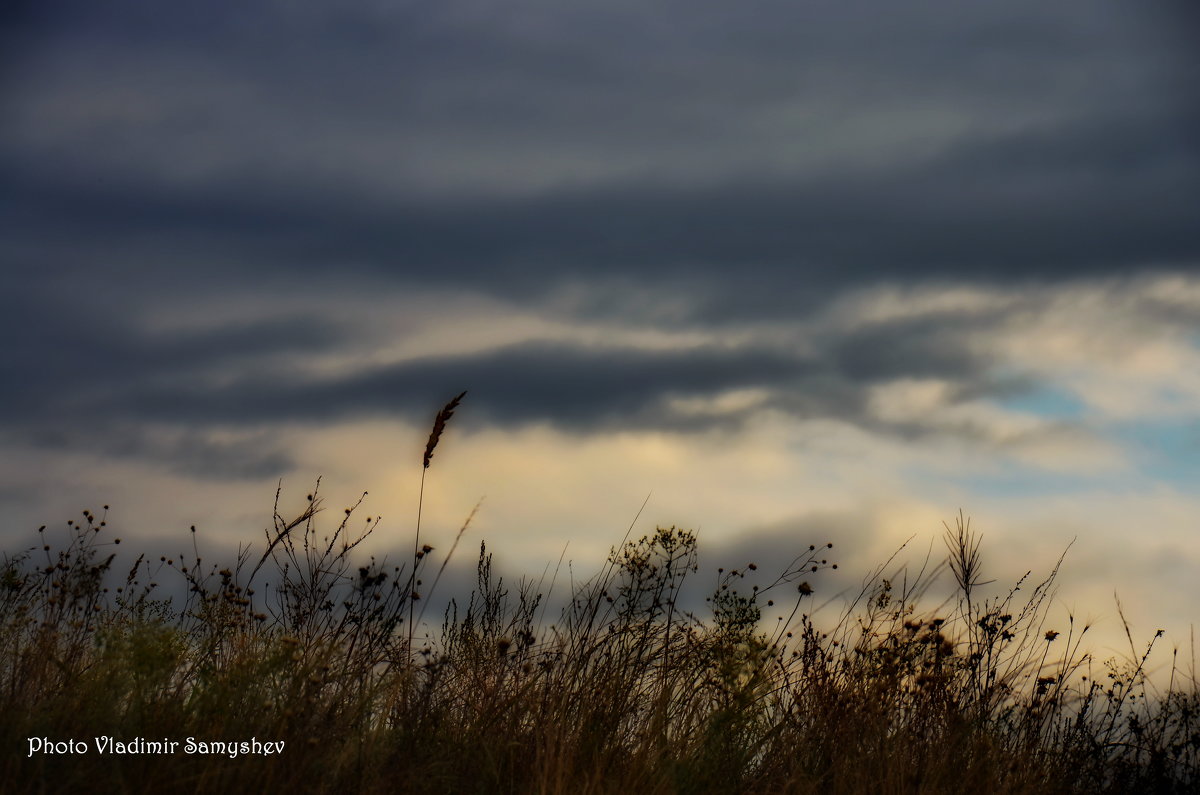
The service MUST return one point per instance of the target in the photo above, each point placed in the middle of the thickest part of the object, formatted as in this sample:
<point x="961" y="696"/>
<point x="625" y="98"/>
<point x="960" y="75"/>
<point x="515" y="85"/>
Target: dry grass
<point x="623" y="691"/>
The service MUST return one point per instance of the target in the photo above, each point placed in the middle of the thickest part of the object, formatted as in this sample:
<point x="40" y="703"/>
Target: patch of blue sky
<point x="1046" y="401"/>
<point x="1164" y="451"/>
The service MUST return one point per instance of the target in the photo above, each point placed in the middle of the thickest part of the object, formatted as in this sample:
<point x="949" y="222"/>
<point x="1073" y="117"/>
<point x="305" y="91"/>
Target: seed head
<point x="439" y="425"/>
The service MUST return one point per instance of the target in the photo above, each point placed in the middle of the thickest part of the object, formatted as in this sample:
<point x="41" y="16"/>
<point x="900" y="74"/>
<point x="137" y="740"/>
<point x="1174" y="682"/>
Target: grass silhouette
<point x="625" y="691"/>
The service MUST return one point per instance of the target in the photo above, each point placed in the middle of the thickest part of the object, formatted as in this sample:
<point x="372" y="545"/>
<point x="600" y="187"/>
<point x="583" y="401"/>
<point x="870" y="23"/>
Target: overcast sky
<point x="802" y="271"/>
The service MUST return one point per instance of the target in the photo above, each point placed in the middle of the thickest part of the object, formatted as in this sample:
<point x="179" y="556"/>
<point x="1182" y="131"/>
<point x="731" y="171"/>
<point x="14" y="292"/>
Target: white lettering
<point x="47" y="746"/>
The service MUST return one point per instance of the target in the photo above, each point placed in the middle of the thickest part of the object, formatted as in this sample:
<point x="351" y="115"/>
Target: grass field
<point x="623" y="690"/>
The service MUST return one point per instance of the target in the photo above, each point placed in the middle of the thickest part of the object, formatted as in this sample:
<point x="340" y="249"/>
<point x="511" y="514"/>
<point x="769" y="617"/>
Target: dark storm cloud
<point x="577" y="388"/>
<point x="385" y="137"/>
<point x="63" y="355"/>
<point x="1085" y="200"/>
<point x="753" y="163"/>
<point x="934" y="346"/>
<point x="63" y="358"/>
<point x="72" y="374"/>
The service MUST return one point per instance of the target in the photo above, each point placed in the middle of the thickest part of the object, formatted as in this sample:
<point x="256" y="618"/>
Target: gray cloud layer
<point x="750" y="165"/>
<point x="147" y="394"/>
